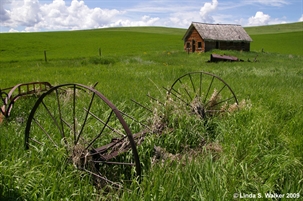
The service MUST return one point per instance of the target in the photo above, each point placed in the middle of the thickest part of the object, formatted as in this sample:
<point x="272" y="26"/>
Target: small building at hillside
<point x="202" y="37"/>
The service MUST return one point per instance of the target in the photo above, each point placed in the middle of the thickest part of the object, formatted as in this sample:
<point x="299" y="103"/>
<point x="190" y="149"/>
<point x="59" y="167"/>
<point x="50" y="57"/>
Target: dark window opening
<point x="200" y="45"/>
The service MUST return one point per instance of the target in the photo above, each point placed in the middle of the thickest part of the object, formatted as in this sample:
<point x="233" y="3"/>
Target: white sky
<point x="54" y="15"/>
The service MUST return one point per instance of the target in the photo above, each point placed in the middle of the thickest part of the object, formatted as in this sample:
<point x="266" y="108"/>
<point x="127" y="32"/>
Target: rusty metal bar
<point x="142" y="105"/>
<point x="132" y="118"/>
<point x="155" y="99"/>
<point x="217" y="57"/>
<point x="12" y="94"/>
<point x="119" y="145"/>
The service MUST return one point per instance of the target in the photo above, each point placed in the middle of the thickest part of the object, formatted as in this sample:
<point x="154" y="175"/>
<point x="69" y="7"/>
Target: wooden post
<point x="45" y="58"/>
<point x="99" y="51"/>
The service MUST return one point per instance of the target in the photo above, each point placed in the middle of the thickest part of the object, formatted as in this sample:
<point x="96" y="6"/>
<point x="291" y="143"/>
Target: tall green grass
<point x="282" y="38"/>
<point x="255" y="150"/>
<point x="285" y="43"/>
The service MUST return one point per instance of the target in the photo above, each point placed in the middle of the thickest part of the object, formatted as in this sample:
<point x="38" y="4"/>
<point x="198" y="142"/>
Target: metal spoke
<point x="132" y="118"/>
<point x="186" y="91"/>
<point x="223" y="101"/>
<point x="178" y="97"/>
<point x="105" y="148"/>
<point x="155" y="99"/>
<point x="86" y="116"/>
<point x="74" y="113"/>
<point x="212" y="80"/>
<point x="45" y="132"/>
<point x="141" y="105"/>
<point x="200" y="91"/>
<point x="192" y="84"/>
<point x="36" y="141"/>
<point x="52" y="116"/>
<point x="60" y="114"/>
<point x="105" y="125"/>
<point x="114" y="163"/>
<point x="105" y="179"/>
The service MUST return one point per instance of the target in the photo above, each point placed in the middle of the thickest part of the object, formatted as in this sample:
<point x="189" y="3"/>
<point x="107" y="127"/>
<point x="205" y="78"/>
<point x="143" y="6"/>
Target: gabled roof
<point x="219" y="32"/>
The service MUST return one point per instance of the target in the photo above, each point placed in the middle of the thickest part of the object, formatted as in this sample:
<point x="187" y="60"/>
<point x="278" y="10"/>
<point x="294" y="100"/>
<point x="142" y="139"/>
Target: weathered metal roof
<point x="219" y="32"/>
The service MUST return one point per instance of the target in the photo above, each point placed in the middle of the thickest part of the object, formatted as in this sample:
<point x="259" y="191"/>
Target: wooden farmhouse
<point x="202" y="37"/>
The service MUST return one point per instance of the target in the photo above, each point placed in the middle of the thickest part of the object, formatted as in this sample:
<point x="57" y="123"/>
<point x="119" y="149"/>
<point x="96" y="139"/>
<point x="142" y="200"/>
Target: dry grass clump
<point x="157" y="121"/>
<point x="245" y="104"/>
<point x="212" y="106"/>
<point x="1" y="117"/>
<point x="68" y="95"/>
<point x="80" y="156"/>
<point x="1" y="114"/>
<point x="161" y="155"/>
<point x="82" y="160"/>
<point x="197" y="107"/>
<point x="162" y="114"/>
<point x="174" y="108"/>
<point x="230" y="108"/>
<point x="214" y="99"/>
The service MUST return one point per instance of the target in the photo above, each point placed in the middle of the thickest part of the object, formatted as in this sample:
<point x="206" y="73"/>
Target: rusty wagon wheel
<point x="204" y="94"/>
<point x="89" y="128"/>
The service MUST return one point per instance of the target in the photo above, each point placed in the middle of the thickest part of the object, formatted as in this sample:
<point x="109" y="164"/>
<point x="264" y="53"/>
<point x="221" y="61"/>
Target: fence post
<point x="99" y="51"/>
<point x="45" y="58"/>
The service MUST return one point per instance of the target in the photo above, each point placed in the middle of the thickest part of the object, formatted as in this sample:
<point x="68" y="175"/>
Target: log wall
<point x="194" y="43"/>
<point x="191" y="43"/>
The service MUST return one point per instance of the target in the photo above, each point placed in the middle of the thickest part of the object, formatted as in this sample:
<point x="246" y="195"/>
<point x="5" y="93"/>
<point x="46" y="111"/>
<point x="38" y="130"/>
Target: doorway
<point x="193" y="43"/>
<point x="217" y="45"/>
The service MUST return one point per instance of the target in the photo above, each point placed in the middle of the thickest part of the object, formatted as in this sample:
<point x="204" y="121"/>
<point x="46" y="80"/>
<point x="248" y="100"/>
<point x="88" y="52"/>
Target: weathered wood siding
<point x="226" y="45"/>
<point x="222" y="45"/>
<point x="194" y="43"/>
<point x="214" y="36"/>
<point x="209" y="45"/>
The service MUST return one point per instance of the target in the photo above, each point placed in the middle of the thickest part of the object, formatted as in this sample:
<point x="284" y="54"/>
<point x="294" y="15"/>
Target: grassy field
<point x="284" y="38"/>
<point x="253" y="151"/>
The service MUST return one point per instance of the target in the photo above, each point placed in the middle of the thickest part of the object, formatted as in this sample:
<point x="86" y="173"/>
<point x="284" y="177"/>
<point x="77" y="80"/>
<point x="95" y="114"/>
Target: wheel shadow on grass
<point x="8" y="194"/>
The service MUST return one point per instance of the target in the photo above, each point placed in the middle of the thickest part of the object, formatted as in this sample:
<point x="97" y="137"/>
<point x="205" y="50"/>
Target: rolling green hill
<point x="275" y="29"/>
<point x="75" y="44"/>
<point x="284" y="43"/>
<point x="283" y="38"/>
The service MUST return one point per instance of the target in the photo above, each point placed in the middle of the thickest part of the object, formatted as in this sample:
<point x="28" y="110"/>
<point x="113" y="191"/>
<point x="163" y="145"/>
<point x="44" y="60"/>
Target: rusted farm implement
<point x="95" y="134"/>
<point x="10" y="95"/>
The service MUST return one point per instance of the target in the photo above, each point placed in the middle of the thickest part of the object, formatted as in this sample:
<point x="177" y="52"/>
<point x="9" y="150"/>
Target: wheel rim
<point x="89" y="127"/>
<point x="204" y="93"/>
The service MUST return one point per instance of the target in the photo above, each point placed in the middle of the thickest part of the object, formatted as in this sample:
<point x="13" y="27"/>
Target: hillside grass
<point x="275" y="29"/>
<point x="255" y="150"/>
<point x="282" y="38"/>
<point x="16" y="47"/>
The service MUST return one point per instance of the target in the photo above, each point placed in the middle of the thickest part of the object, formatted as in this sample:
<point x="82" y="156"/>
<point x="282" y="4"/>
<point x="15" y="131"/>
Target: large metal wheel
<point x="80" y="120"/>
<point x="204" y="94"/>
